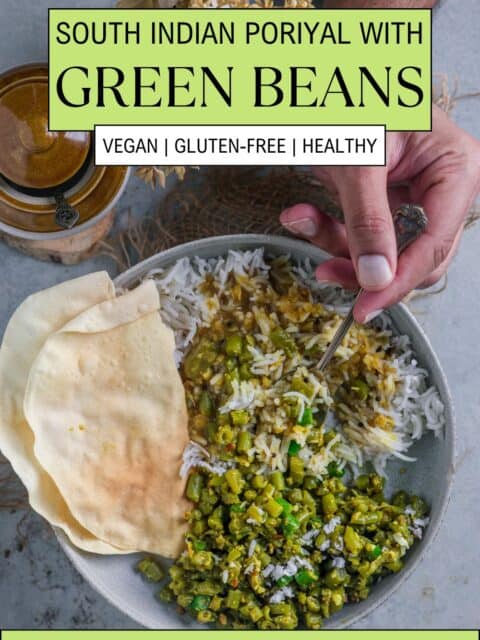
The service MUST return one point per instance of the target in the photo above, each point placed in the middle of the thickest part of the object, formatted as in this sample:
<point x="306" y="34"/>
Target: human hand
<point x="439" y="171"/>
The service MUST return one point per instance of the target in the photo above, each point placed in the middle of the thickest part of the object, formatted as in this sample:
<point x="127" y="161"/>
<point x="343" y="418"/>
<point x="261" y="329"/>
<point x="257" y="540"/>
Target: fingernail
<point x="301" y="227"/>
<point x="374" y="272"/>
<point x="374" y="314"/>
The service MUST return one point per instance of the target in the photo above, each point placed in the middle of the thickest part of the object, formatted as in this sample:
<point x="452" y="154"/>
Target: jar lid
<point x="37" y="166"/>
<point x="32" y="156"/>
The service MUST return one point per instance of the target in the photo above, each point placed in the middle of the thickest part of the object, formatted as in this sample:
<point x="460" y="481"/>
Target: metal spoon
<point x="410" y="222"/>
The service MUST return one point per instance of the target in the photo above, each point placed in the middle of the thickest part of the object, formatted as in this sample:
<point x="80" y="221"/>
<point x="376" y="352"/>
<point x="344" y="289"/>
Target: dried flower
<point x="157" y="176"/>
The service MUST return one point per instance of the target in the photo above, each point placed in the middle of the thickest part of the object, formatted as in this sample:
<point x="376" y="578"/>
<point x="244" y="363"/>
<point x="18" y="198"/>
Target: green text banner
<point x="240" y="67"/>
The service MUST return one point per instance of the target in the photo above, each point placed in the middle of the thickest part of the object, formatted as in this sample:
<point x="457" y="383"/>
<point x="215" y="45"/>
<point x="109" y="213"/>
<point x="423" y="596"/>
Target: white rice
<point x="243" y="397"/>
<point x="416" y="407"/>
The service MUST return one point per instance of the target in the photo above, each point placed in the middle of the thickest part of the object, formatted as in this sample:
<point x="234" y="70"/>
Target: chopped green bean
<point x="335" y="577"/>
<point x="286" y="506"/>
<point x="194" y="487"/>
<point x="360" y="388"/>
<point x="353" y="541"/>
<point x="199" y="603"/>
<point x="206" y="404"/>
<point x="273" y="508"/>
<point x="297" y="469"/>
<point x="375" y="552"/>
<point x="334" y="471"/>
<point x="278" y="480"/>
<point x="237" y="508"/>
<point x="244" y="442"/>
<point x="239" y="417"/>
<point x="329" y="504"/>
<point x="371" y="517"/>
<point x="233" y="599"/>
<point x="306" y="419"/>
<point x="305" y="577"/>
<point x="150" y="570"/>
<point x="283" y="581"/>
<point x="293" y="448"/>
<point x="234" y="345"/>
<point x="234" y="480"/>
<point x="282" y="340"/>
<point x="290" y="524"/>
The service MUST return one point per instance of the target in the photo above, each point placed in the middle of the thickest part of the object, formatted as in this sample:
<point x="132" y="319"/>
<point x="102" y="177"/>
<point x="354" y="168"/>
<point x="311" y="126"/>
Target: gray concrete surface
<point x="38" y="586"/>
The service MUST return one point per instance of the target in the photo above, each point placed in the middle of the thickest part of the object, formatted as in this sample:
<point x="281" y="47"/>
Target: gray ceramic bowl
<point x="114" y="577"/>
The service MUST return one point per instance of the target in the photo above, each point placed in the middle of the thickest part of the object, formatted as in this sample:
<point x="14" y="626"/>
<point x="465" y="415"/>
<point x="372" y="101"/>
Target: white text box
<point x="240" y="145"/>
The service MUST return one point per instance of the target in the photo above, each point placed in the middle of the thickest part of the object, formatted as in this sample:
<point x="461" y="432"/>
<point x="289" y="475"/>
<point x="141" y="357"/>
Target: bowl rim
<point x="132" y="276"/>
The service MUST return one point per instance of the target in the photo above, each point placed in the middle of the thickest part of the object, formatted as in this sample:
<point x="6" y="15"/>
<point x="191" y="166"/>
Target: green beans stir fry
<point x="278" y="546"/>
<point x="270" y="558"/>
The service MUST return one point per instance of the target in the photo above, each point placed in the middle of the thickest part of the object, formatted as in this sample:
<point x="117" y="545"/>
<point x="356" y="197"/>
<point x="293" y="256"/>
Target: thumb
<point x="369" y="224"/>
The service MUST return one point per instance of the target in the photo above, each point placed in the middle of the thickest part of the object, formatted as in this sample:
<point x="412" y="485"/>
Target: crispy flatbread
<point x="107" y="407"/>
<point x="32" y="323"/>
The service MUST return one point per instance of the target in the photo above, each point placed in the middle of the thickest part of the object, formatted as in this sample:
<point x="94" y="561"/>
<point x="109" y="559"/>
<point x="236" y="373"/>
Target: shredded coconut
<point x="400" y="540"/>
<point x="418" y="526"/>
<point x="282" y="594"/>
<point x="325" y="545"/>
<point x="310" y="536"/>
<point x="290" y="568"/>
<point x="330" y="526"/>
<point x="338" y="563"/>
<point x="268" y="570"/>
<point x="195" y="455"/>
